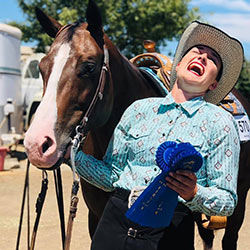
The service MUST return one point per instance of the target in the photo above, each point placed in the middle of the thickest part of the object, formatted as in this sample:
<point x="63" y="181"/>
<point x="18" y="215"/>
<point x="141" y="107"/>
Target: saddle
<point x="154" y="64"/>
<point x="157" y="68"/>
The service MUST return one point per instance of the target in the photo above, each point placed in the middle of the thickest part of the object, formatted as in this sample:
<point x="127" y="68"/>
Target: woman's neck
<point x="181" y="95"/>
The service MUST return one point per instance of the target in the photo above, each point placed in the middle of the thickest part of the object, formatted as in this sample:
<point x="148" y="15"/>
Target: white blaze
<point x="48" y="108"/>
<point x="42" y="127"/>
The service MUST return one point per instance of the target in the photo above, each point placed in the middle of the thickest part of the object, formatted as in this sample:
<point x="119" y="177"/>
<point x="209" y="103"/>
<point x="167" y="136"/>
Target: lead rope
<point x="59" y="196"/>
<point x="76" y="142"/>
<point x="39" y="206"/>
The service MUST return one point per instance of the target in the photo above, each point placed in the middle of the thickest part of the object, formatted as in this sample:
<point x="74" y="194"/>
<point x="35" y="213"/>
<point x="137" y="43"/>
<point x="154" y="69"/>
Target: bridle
<point x="80" y="129"/>
<point x="76" y="142"/>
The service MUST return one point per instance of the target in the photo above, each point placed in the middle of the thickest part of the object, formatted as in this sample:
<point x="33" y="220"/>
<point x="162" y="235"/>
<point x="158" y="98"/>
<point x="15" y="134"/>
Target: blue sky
<point x="232" y="16"/>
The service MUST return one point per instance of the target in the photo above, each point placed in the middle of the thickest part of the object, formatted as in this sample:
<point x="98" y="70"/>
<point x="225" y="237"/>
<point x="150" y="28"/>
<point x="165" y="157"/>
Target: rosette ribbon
<point x="156" y="204"/>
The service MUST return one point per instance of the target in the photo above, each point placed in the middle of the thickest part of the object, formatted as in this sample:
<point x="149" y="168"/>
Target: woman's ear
<point x="177" y="66"/>
<point x="213" y="86"/>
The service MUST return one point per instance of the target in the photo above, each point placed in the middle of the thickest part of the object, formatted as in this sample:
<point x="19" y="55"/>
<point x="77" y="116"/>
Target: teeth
<point x="196" y="68"/>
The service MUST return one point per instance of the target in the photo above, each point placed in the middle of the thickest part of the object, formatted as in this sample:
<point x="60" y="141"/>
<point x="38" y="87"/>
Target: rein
<point x="39" y="205"/>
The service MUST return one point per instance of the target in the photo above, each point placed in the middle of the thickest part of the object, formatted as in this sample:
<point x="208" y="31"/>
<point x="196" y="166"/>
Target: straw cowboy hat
<point x="229" y="49"/>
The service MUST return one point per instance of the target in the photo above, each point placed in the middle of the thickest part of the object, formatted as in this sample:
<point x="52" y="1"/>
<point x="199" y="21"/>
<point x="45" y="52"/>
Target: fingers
<point x="184" y="176"/>
<point x="184" y="183"/>
<point x="184" y="180"/>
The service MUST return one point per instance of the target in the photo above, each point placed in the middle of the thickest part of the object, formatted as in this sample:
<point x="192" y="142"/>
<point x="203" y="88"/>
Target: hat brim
<point x="229" y="49"/>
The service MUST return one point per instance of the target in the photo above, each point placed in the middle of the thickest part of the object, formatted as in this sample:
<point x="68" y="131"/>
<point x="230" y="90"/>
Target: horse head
<point x="75" y="74"/>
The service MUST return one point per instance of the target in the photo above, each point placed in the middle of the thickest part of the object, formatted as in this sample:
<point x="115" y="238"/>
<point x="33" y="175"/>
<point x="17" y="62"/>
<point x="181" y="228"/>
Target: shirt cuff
<point x="195" y="204"/>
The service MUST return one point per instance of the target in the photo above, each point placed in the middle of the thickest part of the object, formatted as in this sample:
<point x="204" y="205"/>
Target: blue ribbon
<point x="155" y="206"/>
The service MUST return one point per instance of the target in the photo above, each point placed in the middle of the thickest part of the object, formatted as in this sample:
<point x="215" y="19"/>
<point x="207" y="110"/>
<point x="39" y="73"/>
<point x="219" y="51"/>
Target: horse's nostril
<point x="46" y="145"/>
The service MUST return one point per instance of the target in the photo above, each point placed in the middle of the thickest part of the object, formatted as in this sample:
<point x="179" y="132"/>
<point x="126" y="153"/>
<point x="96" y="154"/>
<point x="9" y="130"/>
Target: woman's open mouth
<point x="196" y="68"/>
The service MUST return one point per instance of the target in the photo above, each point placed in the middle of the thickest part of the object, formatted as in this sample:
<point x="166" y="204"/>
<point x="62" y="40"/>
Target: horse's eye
<point x="87" y="69"/>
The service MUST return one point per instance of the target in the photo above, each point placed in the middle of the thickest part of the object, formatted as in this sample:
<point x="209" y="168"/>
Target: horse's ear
<point x="94" y="20"/>
<point x="49" y="24"/>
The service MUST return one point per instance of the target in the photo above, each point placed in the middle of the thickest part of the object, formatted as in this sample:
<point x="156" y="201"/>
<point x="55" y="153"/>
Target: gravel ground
<point x="48" y="236"/>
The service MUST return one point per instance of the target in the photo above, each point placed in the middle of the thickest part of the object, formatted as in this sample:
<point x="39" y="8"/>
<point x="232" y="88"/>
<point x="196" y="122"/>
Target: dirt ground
<point x="48" y="236"/>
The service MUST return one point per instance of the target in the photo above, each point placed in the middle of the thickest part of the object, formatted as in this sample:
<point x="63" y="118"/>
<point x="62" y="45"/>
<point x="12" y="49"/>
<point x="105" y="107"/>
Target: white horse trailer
<point x="32" y="86"/>
<point x="10" y="80"/>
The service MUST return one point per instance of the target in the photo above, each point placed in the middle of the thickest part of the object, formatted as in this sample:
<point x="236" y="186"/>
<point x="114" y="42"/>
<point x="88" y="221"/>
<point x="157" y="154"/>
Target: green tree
<point x="243" y="84"/>
<point x="126" y="22"/>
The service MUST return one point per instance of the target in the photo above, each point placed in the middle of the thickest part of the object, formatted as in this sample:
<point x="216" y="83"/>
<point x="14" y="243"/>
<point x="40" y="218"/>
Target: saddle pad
<point x="231" y="104"/>
<point x="155" y="80"/>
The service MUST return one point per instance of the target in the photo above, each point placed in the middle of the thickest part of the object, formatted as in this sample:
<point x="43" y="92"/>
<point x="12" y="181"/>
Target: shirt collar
<point x="189" y="106"/>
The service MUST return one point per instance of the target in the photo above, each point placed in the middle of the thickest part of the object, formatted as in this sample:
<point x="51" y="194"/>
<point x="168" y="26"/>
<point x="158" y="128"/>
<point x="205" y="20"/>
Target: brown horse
<point x="71" y="73"/>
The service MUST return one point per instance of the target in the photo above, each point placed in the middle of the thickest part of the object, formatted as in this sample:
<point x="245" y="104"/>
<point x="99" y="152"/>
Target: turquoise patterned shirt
<point x="130" y="157"/>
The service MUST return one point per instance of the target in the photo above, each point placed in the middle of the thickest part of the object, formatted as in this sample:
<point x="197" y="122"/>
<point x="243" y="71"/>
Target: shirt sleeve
<point x="219" y="196"/>
<point x="103" y="174"/>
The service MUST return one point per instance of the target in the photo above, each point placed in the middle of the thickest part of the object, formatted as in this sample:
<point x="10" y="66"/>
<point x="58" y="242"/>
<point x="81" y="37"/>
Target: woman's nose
<point x="203" y="58"/>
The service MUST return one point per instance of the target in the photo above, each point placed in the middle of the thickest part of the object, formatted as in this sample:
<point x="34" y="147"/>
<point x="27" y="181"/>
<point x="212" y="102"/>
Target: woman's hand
<point x="184" y="183"/>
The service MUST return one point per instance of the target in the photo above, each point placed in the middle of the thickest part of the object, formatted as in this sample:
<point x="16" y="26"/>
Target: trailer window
<point x="32" y="70"/>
